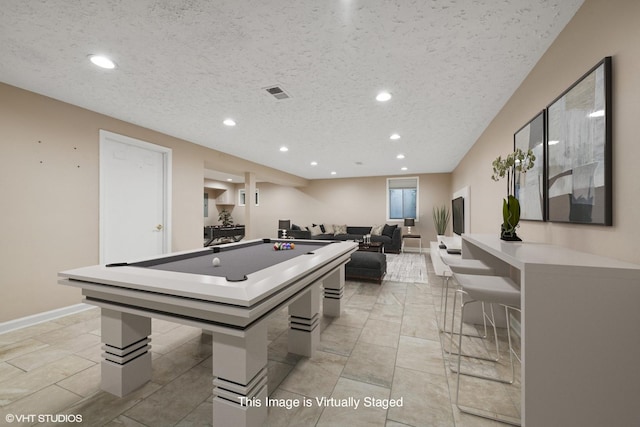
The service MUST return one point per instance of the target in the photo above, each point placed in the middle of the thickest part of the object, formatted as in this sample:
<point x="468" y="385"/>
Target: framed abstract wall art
<point x="530" y="187"/>
<point x="579" y="188"/>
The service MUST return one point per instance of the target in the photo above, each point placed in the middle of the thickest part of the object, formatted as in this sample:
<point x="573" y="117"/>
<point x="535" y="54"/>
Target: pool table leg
<point x="126" y="361"/>
<point x="240" y="377"/>
<point x="333" y="290"/>
<point x="304" y="322"/>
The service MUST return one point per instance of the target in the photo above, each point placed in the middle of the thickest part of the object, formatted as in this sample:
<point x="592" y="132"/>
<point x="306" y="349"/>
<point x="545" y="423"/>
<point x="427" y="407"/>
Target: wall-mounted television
<point x="457" y="209"/>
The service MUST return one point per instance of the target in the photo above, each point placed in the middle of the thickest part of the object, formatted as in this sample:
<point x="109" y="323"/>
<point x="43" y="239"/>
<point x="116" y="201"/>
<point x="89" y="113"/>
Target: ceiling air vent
<point x="277" y="92"/>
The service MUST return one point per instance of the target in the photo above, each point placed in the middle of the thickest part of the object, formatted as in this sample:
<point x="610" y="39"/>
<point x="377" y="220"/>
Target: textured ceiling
<point x="184" y="66"/>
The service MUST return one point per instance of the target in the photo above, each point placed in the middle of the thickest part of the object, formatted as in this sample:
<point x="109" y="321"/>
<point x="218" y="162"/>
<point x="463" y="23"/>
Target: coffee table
<point x="370" y="247"/>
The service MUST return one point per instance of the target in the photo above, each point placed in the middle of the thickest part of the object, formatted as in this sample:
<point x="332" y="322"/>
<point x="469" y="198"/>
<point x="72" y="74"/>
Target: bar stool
<point x="491" y="290"/>
<point x="462" y="266"/>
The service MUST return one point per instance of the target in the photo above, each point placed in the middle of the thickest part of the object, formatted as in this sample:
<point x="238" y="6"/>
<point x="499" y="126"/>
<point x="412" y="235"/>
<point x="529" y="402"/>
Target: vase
<point x="511" y="218"/>
<point x="509" y="235"/>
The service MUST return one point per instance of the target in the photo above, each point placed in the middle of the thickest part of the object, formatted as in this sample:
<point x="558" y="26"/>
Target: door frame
<point x="106" y="136"/>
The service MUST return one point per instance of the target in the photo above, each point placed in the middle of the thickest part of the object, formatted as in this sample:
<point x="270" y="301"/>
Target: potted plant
<point x="516" y="162"/>
<point x="441" y="219"/>
<point x="225" y="218"/>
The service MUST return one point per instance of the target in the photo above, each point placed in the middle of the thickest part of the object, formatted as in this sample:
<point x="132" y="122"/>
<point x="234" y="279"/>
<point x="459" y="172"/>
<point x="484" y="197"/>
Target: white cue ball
<point x="215" y="261"/>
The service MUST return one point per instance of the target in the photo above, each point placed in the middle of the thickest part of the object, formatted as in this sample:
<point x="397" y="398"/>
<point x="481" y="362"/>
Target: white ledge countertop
<point x="519" y="254"/>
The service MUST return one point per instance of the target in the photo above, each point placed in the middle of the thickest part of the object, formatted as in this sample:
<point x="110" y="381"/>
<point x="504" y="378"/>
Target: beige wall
<point x="599" y="29"/>
<point x="49" y="195"/>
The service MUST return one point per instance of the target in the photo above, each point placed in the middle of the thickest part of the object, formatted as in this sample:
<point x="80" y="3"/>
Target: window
<point x="402" y="198"/>
<point x="242" y="197"/>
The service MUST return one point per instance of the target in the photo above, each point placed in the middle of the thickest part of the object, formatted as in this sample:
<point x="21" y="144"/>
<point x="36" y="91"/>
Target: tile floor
<point x="386" y="345"/>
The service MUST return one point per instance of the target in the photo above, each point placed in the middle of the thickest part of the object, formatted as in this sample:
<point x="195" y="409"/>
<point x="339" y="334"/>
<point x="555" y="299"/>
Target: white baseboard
<point x="34" y="319"/>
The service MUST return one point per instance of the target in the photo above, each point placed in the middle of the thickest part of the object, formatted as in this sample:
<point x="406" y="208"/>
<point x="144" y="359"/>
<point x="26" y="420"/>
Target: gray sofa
<point x="391" y="237"/>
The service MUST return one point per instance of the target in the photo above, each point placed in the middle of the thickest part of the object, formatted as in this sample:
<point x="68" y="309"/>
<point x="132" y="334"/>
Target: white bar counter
<point x="580" y="330"/>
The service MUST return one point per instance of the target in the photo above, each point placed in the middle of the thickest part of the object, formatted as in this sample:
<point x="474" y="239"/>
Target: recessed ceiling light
<point x="284" y="149"/>
<point x="383" y="96"/>
<point x="229" y="122"/>
<point x="333" y="172"/>
<point x="400" y="156"/>
<point x="554" y="142"/>
<point x="102" y="61"/>
<point x="229" y="179"/>
<point x="314" y="163"/>
<point x="394" y="136"/>
<point x="599" y="113"/>
<point x="404" y="168"/>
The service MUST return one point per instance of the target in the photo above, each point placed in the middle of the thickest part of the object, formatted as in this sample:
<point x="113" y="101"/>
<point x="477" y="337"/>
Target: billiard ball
<point x="215" y="262"/>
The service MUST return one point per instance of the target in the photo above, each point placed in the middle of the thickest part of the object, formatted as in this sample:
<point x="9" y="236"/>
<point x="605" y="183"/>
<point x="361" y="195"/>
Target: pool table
<point x="231" y="301"/>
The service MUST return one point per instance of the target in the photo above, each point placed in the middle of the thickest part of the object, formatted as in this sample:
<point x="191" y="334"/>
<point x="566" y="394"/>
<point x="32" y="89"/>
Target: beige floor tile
<point x="339" y="339"/>
<point x="366" y="413"/>
<point x="369" y="289"/>
<point x="202" y="416"/>
<point x="425" y="399"/>
<point x="93" y="353"/>
<point x="371" y="364"/>
<point x="49" y="400"/>
<point x="82" y="316"/>
<point x="165" y="342"/>
<point x="391" y="297"/>
<point x="420" y="321"/>
<point x="276" y="373"/>
<point x="53" y="352"/>
<point x="424" y="312"/>
<point x="278" y="324"/>
<point x="7" y="371"/>
<point x="169" y="366"/>
<point x="175" y="400"/>
<point x="27" y="383"/>
<point x="32" y="360"/>
<point x="278" y="351"/>
<point x="298" y="416"/>
<point x="380" y="332"/>
<point x="84" y="383"/>
<point x="350" y="289"/>
<point x="123" y="421"/>
<point x="159" y="326"/>
<point x="315" y="376"/>
<point x="101" y="408"/>
<point x="419" y="327"/>
<point x="391" y="423"/>
<point x="483" y="394"/>
<point x="70" y="332"/>
<point x="387" y="312"/>
<point x="420" y="355"/>
<point x="466" y="420"/>
<point x="16" y="349"/>
<point x="28" y="332"/>
<point x="352" y="317"/>
<point x="364" y="302"/>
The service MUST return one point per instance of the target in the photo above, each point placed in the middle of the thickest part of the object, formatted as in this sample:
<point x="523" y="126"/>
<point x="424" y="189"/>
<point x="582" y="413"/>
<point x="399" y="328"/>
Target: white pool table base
<point x="239" y="361"/>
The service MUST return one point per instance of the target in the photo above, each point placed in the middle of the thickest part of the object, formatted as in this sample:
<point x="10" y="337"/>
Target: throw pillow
<point x="339" y="229"/>
<point x="328" y="228"/>
<point x="315" y="230"/>
<point x="376" y="230"/>
<point x="389" y="229"/>
<point x="295" y="227"/>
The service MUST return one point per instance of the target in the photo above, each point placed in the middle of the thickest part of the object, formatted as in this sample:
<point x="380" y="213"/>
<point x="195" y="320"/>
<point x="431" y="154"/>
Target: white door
<point x="134" y="198"/>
